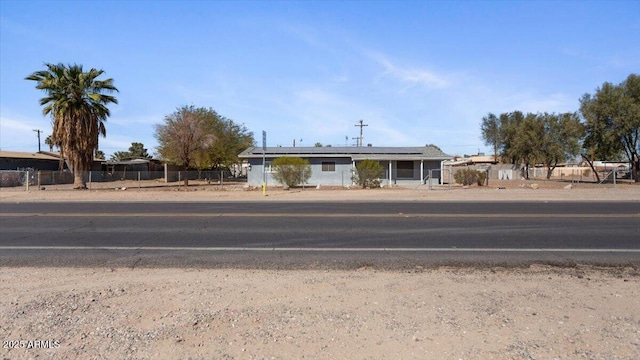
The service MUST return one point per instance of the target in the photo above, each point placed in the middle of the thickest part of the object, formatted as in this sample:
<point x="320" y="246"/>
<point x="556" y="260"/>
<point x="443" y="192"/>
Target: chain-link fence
<point x="103" y="179"/>
<point x="16" y="178"/>
<point x="573" y="174"/>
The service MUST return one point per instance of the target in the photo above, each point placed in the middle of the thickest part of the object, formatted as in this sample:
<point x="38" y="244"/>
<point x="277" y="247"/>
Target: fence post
<point x="39" y="187"/>
<point x="179" y="180"/>
<point x="138" y="180"/>
<point x="27" y="180"/>
<point x="90" y="172"/>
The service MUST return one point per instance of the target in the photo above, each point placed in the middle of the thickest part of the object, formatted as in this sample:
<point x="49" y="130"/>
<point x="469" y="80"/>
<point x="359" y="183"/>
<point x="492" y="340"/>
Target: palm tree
<point x="49" y="142"/>
<point x="78" y="107"/>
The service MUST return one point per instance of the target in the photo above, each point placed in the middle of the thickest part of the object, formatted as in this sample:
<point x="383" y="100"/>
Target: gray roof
<point x="353" y="152"/>
<point x="127" y="162"/>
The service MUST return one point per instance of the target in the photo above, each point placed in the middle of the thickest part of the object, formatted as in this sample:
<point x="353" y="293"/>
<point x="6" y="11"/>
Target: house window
<point x="267" y="167"/>
<point x="328" y="166"/>
<point x="405" y="169"/>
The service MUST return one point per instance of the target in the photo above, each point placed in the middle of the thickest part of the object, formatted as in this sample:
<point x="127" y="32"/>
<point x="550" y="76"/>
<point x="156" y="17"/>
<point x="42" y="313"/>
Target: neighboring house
<point x="130" y="168"/>
<point x="335" y="165"/>
<point x="43" y="160"/>
<point x="484" y="163"/>
<point x="14" y="160"/>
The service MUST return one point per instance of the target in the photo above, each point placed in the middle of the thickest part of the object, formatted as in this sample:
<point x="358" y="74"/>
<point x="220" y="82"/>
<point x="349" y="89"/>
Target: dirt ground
<point x="447" y="313"/>
<point x="152" y="190"/>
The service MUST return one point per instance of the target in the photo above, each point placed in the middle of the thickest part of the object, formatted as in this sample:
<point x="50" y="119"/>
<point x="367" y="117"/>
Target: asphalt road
<point x="319" y="234"/>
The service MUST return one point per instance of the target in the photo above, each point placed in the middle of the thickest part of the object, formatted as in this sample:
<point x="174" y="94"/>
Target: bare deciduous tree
<point x="185" y="135"/>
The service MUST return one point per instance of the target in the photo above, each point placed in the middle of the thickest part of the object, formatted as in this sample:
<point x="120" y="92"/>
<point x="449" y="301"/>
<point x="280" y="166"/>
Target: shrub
<point x="482" y="176"/>
<point x="291" y="171"/>
<point x="368" y="173"/>
<point x="469" y="176"/>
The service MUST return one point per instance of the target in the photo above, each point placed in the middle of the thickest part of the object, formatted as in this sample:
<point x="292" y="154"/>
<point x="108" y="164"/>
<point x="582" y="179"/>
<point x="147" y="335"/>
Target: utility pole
<point x="361" y="125"/>
<point x="38" y="131"/>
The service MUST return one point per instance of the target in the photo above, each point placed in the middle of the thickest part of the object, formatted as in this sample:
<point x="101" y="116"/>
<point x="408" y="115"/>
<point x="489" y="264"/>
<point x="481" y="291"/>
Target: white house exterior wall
<point x="342" y="174"/>
<point x="422" y="159"/>
<point x="340" y="177"/>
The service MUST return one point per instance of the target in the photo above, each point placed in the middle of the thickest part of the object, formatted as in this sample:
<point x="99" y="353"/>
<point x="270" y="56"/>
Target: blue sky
<point x="417" y="72"/>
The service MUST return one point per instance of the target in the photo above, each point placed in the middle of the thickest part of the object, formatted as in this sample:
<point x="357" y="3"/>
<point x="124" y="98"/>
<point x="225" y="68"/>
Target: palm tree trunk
<point x="78" y="180"/>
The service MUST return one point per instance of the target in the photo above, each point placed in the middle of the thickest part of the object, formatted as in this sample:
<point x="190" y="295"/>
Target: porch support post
<point x="390" y="169"/>
<point x="421" y="172"/>
<point x="353" y="170"/>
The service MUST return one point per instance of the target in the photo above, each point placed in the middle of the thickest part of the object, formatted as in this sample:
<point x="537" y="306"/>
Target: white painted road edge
<point x="229" y="249"/>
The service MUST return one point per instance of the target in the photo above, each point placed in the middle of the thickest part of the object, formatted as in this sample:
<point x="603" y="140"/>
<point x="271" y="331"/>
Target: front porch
<point x="409" y="172"/>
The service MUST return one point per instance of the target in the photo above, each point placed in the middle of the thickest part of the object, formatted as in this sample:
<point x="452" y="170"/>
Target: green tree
<point x="99" y="154"/>
<point x="77" y="102"/>
<point x="561" y="139"/>
<point x="367" y="173"/>
<point x="612" y="123"/>
<point x="510" y="124"/>
<point x="521" y="141"/>
<point x="49" y="142"/>
<point x="231" y="139"/>
<point x="434" y="146"/>
<point x="201" y="138"/>
<point x="136" y="150"/>
<point x="530" y="139"/>
<point x="491" y="133"/>
<point x="186" y="135"/>
<point x="291" y="171"/>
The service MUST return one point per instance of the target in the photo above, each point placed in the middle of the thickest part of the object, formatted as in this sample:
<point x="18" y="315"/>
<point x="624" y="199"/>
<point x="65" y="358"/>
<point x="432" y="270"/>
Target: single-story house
<point x="17" y="160"/>
<point x="42" y="160"/>
<point x="334" y="166"/>
<point x="130" y="168"/>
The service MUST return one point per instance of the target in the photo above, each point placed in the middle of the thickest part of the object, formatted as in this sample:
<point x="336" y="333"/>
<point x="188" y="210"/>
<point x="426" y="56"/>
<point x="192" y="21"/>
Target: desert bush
<point x="482" y="177"/>
<point x="469" y="176"/>
<point x="368" y="173"/>
<point x="291" y="171"/>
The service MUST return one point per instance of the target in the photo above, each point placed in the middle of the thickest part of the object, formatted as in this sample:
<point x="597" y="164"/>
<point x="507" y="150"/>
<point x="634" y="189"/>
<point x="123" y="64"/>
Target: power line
<point x="38" y="131"/>
<point x="361" y="125"/>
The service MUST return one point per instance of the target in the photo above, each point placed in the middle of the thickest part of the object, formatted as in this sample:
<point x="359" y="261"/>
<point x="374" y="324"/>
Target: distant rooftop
<point x="42" y="155"/>
<point x="29" y="155"/>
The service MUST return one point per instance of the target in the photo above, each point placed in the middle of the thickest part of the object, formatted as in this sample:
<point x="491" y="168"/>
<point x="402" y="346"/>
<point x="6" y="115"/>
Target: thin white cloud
<point x="117" y="143"/>
<point x="411" y="76"/>
<point x="135" y="120"/>
<point x="17" y="133"/>
<point x="322" y="111"/>
<point x="17" y="125"/>
<point x="382" y="133"/>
